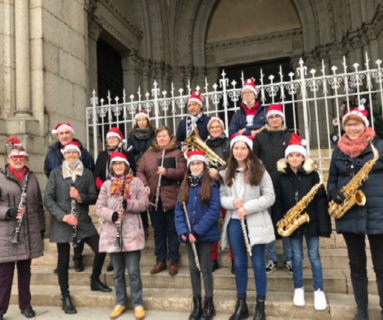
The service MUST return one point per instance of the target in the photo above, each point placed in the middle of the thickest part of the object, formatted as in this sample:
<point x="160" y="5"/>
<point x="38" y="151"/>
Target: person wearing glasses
<point x="251" y="116"/>
<point x="13" y="177"/>
<point x="359" y="222"/>
<point x="269" y="146"/>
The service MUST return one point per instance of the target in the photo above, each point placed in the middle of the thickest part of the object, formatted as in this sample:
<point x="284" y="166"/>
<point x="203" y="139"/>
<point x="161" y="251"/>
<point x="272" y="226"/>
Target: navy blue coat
<point x="369" y="218"/>
<point x="54" y="158"/>
<point x="203" y="216"/>
<point x="238" y="121"/>
<point x="201" y="127"/>
<point x="139" y="146"/>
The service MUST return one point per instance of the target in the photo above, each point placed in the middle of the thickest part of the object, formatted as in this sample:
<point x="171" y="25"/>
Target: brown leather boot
<point x="173" y="269"/>
<point x="160" y="265"/>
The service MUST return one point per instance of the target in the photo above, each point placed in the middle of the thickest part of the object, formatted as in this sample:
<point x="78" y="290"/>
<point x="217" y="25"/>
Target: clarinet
<point x="73" y="211"/>
<point x="22" y="203"/>
<point x="159" y="184"/>
<point x="120" y="209"/>
<point x="243" y="226"/>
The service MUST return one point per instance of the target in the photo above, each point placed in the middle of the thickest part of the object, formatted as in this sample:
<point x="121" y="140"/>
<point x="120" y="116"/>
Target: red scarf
<point x="354" y="148"/>
<point x="20" y="175"/>
<point x="252" y="111"/>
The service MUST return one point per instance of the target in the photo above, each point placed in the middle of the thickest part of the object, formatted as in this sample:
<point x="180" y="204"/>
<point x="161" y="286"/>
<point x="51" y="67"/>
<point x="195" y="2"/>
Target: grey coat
<point x="256" y="201"/>
<point x="33" y="226"/>
<point x="58" y="203"/>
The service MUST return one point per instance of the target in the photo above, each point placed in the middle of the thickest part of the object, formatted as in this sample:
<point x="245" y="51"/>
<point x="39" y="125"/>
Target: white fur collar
<point x="308" y="165"/>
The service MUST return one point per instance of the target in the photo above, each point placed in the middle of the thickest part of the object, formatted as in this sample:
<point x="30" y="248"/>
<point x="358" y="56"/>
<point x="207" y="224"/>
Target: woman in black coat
<point x="348" y="158"/>
<point x="140" y="139"/>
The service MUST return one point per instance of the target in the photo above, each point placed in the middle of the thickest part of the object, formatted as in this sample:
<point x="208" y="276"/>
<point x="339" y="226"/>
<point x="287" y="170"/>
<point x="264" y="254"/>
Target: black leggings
<point x="63" y="250"/>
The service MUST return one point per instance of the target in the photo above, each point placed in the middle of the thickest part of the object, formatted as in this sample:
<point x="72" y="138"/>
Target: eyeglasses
<point x="20" y="157"/>
<point x="355" y="125"/>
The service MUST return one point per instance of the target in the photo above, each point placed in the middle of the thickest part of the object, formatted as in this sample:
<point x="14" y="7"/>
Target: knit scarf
<point x="250" y="113"/>
<point x="354" y="148"/>
<point x="143" y="134"/>
<point x="117" y="185"/>
<point x="18" y="175"/>
<point x="191" y="123"/>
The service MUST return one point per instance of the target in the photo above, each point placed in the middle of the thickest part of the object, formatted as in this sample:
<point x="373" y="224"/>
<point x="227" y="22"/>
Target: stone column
<point x="132" y="67"/>
<point x="22" y="54"/>
<point x="94" y="31"/>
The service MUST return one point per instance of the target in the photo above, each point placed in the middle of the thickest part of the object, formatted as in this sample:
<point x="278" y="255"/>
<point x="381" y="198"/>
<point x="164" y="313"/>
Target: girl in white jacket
<point x="246" y="192"/>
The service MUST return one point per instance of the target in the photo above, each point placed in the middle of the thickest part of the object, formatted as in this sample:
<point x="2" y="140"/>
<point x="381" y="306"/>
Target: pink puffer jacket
<point x="132" y="233"/>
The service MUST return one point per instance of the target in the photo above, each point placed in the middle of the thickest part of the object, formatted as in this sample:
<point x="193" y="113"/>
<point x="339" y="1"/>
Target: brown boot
<point x="173" y="269"/>
<point x="160" y="265"/>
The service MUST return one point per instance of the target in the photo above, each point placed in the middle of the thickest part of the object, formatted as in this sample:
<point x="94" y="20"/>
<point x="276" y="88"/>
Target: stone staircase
<point x="165" y="293"/>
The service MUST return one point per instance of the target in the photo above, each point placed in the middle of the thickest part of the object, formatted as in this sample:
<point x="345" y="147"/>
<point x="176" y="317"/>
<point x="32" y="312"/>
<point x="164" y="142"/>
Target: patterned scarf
<point x="117" y="184"/>
<point x="191" y="123"/>
<point x="195" y="181"/>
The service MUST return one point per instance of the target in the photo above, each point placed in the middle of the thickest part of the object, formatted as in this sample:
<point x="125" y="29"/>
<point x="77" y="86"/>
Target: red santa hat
<point x="118" y="156"/>
<point x="275" y="109"/>
<point x="238" y="137"/>
<point x="212" y="119"/>
<point x="115" y="132"/>
<point x="296" y="144"/>
<point x="196" y="97"/>
<point x="361" y="112"/>
<point x="73" y="145"/>
<point x="61" y="126"/>
<point x="196" y="155"/>
<point x="249" y="85"/>
<point x="13" y="141"/>
<point x="141" y="113"/>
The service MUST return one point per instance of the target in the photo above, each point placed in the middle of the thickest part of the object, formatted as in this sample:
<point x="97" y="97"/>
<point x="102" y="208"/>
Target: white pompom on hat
<point x="361" y="112"/>
<point x="296" y="144"/>
<point x="196" y="97"/>
<point x="249" y="85"/>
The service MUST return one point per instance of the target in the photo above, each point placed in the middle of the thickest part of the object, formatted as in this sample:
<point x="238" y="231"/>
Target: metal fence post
<point x="302" y="71"/>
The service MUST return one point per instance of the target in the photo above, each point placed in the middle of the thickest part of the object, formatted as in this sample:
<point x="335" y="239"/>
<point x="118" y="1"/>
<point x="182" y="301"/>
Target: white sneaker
<point x="299" y="297"/>
<point x="320" y="302"/>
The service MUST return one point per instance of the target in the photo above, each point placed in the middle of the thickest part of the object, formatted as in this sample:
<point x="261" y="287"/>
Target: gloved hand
<point x="124" y="204"/>
<point x="11" y="213"/>
<point x="98" y="183"/>
<point x="337" y="196"/>
<point x="114" y="216"/>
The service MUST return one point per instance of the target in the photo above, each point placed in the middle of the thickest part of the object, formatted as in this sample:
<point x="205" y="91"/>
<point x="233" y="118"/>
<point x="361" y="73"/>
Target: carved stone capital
<point x="94" y="29"/>
<point x="132" y="62"/>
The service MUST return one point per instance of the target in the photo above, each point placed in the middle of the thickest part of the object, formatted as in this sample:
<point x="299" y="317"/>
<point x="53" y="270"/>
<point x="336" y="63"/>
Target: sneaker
<point x="288" y="266"/>
<point x="271" y="266"/>
<point x="320" y="302"/>
<point x="117" y="311"/>
<point x="299" y="297"/>
<point x="139" y="312"/>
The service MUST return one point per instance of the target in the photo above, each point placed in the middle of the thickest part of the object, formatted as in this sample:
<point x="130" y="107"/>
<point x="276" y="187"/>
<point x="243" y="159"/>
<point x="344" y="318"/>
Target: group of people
<point x="266" y="173"/>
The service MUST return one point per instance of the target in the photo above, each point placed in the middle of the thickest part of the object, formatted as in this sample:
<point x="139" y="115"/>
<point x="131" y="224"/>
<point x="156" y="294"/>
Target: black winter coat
<point x="367" y="219"/>
<point x="270" y="146"/>
<point x="139" y="146"/>
<point x="54" y="158"/>
<point x="102" y="164"/>
<point x="221" y="147"/>
<point x="287" y="184"/>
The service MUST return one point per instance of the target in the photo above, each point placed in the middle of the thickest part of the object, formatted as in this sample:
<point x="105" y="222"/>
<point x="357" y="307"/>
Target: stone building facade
<point x="50" y="49"/>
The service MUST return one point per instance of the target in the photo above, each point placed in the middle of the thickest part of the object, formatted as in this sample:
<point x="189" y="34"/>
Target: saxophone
<point x="350" y="190"/>
<point x="295" y="217"/>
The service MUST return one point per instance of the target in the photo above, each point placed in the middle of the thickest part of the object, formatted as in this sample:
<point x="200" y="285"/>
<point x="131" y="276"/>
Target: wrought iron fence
<point x="316" y="99"/>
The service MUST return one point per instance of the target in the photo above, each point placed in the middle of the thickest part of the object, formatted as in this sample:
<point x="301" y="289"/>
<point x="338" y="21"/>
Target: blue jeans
<point x="131" y="260"/>
<point x="271" y="251"/>
<point x="313" y="253"/>
<point x="240" y="262"/>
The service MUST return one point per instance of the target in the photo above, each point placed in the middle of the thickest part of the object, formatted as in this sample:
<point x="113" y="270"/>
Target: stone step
<point x="331" y="258"/>
<point x="335" y="280"/>
<point x="278" y="304"/>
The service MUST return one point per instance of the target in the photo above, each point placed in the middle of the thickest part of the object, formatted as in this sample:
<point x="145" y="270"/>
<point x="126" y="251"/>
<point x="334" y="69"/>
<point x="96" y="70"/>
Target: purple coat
<point x="132" y="234"/>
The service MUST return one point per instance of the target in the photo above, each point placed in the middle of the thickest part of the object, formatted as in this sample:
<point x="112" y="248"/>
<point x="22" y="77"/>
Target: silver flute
<point x="192" y="243"/>
<point x="159" y="183"/>
<point x="22" y="203"/>
<point x="73" y="212"/>
<point x="242" y="221"/>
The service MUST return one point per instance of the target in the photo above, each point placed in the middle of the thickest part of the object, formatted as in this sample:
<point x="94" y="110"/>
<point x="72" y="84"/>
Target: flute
<point x="159" y="183"/>
<point x="192" y="243"/>
<point x="73" y="211"/>
<point x="118" y="242"/>
<point x="23" y="199"/>
<point x="242" y="221"/>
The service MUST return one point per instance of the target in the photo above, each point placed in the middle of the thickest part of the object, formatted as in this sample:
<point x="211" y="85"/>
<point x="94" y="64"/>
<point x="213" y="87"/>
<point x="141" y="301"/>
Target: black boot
<point x="78" y="266"/>
<point x="197" y="308"/>
<point x="232" y="267"/>
<point x="109" y="268"/>
<point x="214" y="265"/>
<point x="28" y="312"/>
<point x="360" y="287"/>
<point x="67" y="305"/>
<point x="208" y="309"/>
<point x="97" y="285"/>
<point x="241" y="311"/>
<point x="260" y="311"/>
